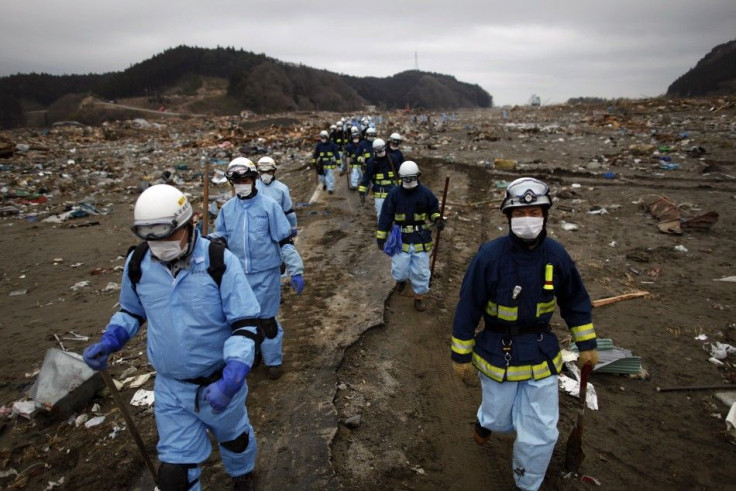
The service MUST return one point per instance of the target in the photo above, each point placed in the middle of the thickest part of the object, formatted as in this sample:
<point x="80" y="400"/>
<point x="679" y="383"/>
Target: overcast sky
<point x="513" y="49"/>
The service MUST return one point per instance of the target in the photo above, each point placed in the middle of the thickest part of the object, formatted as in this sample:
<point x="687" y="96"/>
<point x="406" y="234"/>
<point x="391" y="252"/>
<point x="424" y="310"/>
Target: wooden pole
<point x="206" y="198"/>
<point x="442" y="217"/>
<point x="618" y="298"/>
<point x="697" y="387"/>
<point x="129" y="419"/>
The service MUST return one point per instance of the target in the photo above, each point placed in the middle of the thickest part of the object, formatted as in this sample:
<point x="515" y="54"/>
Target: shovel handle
<point x="129" y="419"/>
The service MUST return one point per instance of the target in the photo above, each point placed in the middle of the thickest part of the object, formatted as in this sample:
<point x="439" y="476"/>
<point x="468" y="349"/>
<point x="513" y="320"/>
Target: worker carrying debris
<point x="277" y="190"/>
<point x="201" y="340"/>
<point x="325" y="158"/>
<point x="514" y="282"/>
<point x="352" y="153"/>
<point x="409" y="206"/>
<point x="380" y="175"/>
<point x="258" y="233"/>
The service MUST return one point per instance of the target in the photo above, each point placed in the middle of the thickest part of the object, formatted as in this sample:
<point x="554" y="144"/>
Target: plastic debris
<point x="729" y="279"/>
<point x="572" y="386"/>
<point x="97" y="420"/>
<point x="613" y="359"/>
<point x="142" y="397"/>
<point x="27" y="409"/>
<point x="731" y="422"/>
<point x="680" y="248"/>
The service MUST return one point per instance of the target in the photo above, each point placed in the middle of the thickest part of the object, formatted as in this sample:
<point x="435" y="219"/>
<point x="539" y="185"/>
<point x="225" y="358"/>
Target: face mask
<point x="381" y="154"/>
<point x="410" y="185"/>
<point x="527" y="227"/>
<point x="266" y="178"/>
<point x="243" y="190"/>
<point x="166" y="250"/>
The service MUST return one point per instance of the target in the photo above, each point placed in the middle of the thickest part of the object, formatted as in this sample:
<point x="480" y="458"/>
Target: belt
<point x="203" y="382"/>
<point x="413" y="228"/>
<point x="519" y="330"/>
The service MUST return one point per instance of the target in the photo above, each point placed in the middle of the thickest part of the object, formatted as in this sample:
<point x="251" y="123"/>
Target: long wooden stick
<point x="442" y="217"/>
<point x="206" y="198"/>
<point x="618" y="298"/>
<point x="129" y="419"/>
<point x="697" y="387"/>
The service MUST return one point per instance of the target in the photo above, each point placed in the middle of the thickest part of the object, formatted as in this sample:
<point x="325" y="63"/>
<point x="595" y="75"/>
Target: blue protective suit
<point x="410" y="209"/>
<point x="518" y="356"/>
<point x="356" y="168"/>
<point x="279" y="192"/>
<point x="190" y="335"/>
<point x="379" y="176"/>
<point x="254" y="229"/>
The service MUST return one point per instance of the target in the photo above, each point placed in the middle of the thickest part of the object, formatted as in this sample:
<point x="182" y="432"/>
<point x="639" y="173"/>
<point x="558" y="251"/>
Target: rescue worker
<point x="365" y="148"/>
<point x="325" y="158"/>
<point x="352" y="152"/>
<point x="270" y="186"/>
<point x="258" y="233"/>
<point x="393" y="147"/>
<point x="337" y="136"/>
<point x="201" y="340"/>
<point x="515" y="282"/>
<point x="380" y="175"/>
<point x="410" y="206"/>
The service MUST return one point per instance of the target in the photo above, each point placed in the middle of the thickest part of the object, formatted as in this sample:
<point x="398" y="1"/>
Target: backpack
<point x="216" y="268"/>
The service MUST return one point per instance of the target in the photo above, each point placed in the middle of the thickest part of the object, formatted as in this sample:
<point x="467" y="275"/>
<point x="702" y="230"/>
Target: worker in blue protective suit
<point x="201" y="341"/>
<point x="257" y="232"/>
<point x="380" y="175"/>
<point x="352" y="151"/>
<point x="325" y="158"/>
<point x="410" y="206"/>
<point x="394" y="141"/>
<point x="338" y="137"/>
<point x="272" y="187"/>
<point x="515" y="282"/>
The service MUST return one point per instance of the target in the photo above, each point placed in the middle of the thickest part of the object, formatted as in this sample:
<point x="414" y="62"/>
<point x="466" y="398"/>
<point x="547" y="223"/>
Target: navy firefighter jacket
<point x="379" y="173"/>
<point x="515" y="290"/>
<point x="409" y="209"/>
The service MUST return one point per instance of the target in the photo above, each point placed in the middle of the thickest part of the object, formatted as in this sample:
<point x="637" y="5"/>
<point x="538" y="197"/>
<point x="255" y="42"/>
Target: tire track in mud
<point x="415" y="416"/>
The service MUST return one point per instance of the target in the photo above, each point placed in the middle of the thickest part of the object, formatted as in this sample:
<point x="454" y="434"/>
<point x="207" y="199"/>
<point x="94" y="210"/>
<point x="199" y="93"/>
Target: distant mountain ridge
<point x="255" y="81"/>
<point x="715" y="74"/>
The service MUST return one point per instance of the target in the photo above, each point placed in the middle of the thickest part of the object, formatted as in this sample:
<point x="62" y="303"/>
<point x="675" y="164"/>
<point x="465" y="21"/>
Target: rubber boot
<point x="274" y="372"/>
<point x="400" y="286"/>
<point x="480" y="434"/>
<point x="419" y="305"/>
<point x="243" y="483"/>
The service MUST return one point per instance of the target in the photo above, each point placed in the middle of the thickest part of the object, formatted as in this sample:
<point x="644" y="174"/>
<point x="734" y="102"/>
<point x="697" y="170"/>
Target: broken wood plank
<point x="618" y="298"/>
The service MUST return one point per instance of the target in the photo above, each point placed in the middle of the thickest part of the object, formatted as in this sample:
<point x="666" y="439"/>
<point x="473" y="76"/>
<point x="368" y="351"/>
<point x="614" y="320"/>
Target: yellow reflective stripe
<point x="546" y="307"/>
<point x="399" y="217"/>
<point x="420" y="217"/>
<point x="462" y="347"/>
<point x="380" y="195"/>
<point x="583" y="333"/>
<point x="417" y="247"/>
<point x="434" y="216"/>
<point x="490" y="371"/>
<point x="378" y="176"/>
<point x="492" y="309"/>
<point x="508" y="313"/>
<point x="383" y="182"/>
<point x="381" y="234"/>
<point x="515" y="374"/>
<point x="329" y="166"/>
<point x="362" y="189"/>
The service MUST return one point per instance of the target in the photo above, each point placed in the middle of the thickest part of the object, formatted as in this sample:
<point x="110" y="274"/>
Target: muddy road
<point x="368" y="399"/>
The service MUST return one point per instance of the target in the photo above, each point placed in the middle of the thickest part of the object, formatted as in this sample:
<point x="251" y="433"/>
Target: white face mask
<point x="243" y="190"/>
<point x="527" y="227"/>
<point x="166" y="250"/>
<point x="410" y="185"/>
<point x="266" y="178"/>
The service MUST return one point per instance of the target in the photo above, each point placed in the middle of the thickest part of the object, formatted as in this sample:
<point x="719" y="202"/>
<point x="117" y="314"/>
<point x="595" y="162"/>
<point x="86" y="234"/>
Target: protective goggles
<point x="237" y="174"/>
<point x="154" y="231"/>
<point x="409" y="178"/>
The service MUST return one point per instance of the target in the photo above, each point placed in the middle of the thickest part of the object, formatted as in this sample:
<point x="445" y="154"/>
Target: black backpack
<point x="216" y="268"/>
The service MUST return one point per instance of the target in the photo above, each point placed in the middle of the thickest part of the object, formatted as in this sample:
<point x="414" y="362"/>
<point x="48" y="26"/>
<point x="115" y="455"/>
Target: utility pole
<point x="416" y="61"/>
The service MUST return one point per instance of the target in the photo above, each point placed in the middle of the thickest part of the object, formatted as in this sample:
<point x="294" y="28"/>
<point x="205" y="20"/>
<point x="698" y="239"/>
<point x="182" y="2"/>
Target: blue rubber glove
<point x="297" y="283"/>
<point x="294" y="232"/>
<point x="219" y="394"/>
<point x="113" y="339"/>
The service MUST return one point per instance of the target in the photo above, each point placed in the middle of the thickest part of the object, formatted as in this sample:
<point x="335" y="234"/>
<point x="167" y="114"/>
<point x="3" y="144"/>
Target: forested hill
<point x="257" y="82"/>
<point x="715" y="74"/>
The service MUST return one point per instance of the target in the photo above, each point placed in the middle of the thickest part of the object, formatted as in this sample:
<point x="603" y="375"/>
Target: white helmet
<point x="266" y="164"/>
<point x="379" y="145"/>
<point x="323" y="135"/>
<point x="338" y="125"/>
<point x="409" y="169"/>
<point x="370" y="133"/>
<point x="159" y="211"/>
<point x="395" y="138"/>
<point x="333" y="127"/>
<point x="526" y="191"/>
<point x="241" y="167"/>
<point x="354" y="131"/>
